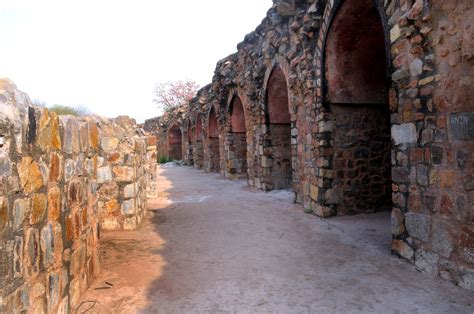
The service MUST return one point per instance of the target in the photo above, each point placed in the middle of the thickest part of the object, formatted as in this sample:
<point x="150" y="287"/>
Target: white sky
<point x="108" y="54"/>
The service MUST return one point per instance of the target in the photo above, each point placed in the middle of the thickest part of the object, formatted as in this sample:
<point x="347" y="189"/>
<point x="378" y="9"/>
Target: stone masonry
<point x="63" y="180"/>
<point x="357" y="105"/>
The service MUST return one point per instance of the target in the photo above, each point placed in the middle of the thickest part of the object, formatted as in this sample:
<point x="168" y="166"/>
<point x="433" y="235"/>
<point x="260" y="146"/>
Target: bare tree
<point x="173" y="94"/>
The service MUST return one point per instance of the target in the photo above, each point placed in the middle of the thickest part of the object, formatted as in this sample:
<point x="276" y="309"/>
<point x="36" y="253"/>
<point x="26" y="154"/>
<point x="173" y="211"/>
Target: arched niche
<point x="175" y="142"/>
<point x="356" y="84"/>
<point x="355" y="55"/>
<point x="237" y="115"/>
<point x="277" y="166"/>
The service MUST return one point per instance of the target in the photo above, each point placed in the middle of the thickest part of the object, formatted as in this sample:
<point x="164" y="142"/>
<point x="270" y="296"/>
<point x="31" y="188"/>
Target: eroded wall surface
<point x="63" y="180"/>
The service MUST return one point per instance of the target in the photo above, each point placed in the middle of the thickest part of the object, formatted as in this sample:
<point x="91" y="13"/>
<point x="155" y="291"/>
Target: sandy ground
<point x="211" y="245"/>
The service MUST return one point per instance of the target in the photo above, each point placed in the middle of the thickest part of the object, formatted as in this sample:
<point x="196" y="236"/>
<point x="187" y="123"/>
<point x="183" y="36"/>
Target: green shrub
<point x="68" y="110"/>
<point x="163" y="160"/>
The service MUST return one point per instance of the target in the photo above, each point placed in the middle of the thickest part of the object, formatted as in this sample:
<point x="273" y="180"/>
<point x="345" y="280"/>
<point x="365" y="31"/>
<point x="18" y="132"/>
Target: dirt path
<point x="213" y="245"/>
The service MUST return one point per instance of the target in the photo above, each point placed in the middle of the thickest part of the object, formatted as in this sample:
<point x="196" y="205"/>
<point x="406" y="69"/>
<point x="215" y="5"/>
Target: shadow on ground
<point x="212" y="245"/>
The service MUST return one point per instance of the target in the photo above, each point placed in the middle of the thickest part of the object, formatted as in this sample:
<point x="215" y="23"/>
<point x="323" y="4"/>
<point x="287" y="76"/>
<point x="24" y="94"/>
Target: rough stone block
<point x="53" y="291"/>
<point x="427" y="261"/>
<point x="31" y="178"/>
<point x="130" y="190"/>
<point x="54" y="203"/>
<point x="78" y="261"/>
<point x="71" y="137"/>
<point x="32" y="252"/>
<point x="397" y="222"/>
<point x="404" y="133"/>
<point x="462" y="126"/>
<point x="109" y="144"/>
<point x="110" y="224"/>
<point x="129" y="207"/>
<point x="130" y="223"/>
<point x="104" y="174"/>
<point x="442" y="239"/>
<point x="21" y="207"/>
<point x="403" y="249"/>
<point x="38" y="208"/>
<point x="124" y="174"/>
<point x="418" y="226"/>
<point x="3" y="213"/>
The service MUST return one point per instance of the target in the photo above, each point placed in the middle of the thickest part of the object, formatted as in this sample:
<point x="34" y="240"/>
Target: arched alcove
<point x="213" y="142"/>
<point x="277" y="159"/>
<point x="356" y="93"/>
<point x="237" y="140"/>
<point x="175" y="143"/>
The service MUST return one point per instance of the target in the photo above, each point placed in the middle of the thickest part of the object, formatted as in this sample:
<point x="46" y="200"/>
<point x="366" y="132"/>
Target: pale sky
<point x="108" y="54"/>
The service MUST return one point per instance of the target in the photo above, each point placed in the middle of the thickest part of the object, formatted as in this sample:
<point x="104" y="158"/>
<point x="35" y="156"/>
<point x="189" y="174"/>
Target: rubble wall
<point x="62" y="179"/>
<point x="420" y="70"/>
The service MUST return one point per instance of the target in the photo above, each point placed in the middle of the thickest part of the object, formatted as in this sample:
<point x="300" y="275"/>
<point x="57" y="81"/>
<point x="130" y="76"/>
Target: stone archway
<point x="213" y="147"/>
<point x="277" y="145"/>
<point x="236" y="140"/>
<point x="175" y="148"/>
<point x="198" y="148"/>
<point x="357" y="96"/>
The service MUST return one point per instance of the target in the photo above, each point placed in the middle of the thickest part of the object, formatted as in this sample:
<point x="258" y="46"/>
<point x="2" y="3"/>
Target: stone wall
<point x="56" y="174"/>
<point x="414" y="59"/>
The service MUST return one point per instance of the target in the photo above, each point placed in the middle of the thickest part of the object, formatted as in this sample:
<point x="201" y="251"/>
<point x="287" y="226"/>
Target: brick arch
<point x="212" y="123"/>
<point x="277" y="100"/>
<point x="235" y="141"/>
<point x="276" y="161"/>
<point x="175" y="138"/>
<point x="356" y="53"/>
<point x="236" y="115"/>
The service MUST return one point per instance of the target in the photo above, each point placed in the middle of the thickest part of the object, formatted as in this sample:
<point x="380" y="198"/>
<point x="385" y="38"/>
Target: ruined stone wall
<point x="420" y="70"/>
<point x="53" y="171"/>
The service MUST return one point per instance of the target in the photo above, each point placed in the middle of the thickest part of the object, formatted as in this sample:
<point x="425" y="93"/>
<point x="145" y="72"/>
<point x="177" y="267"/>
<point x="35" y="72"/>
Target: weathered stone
<point x="78" y="261"/>
<point x="130" y="223"/>
<point x="30" y="174"/>
<point x="124" y="174"/>
<point x="462" y="126"/>
<point x="109" y="144"/>
<point x="71" y="139"/>
<point x="54" y="203"/>
<point x="3" y="213"/>
<point x="404" y="133"/>
<point x="104" y="174"/>
<point x="129" y="207"/>
<point x="442" y="239"/>
<point x="21" y="208"/>
<point x="426" y="261"/>
<point x="403" y="249"/>
<point x="130" y="190"/>
<point x="38" y="208"/>
<point x="69" y="167"/>
<point x="397" y="222"/>
<point x="47" y="245"/>
<point x="54" y="291"/>
<point x="32" y="252"/>
<point x="418" y="226"/>
<point x="110" y="224"/>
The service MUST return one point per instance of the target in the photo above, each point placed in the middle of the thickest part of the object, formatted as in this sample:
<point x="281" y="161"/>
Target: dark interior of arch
<point x="355" y="58"/>
<point x="237" y="115"/>
<point x="357" y="93"/>
<point x="277" y="171"/>
<point x="237" y="140"/>
<point x="213" y="127"/>
<point x="175" y="143"/>
<point x="198" y="148"/>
